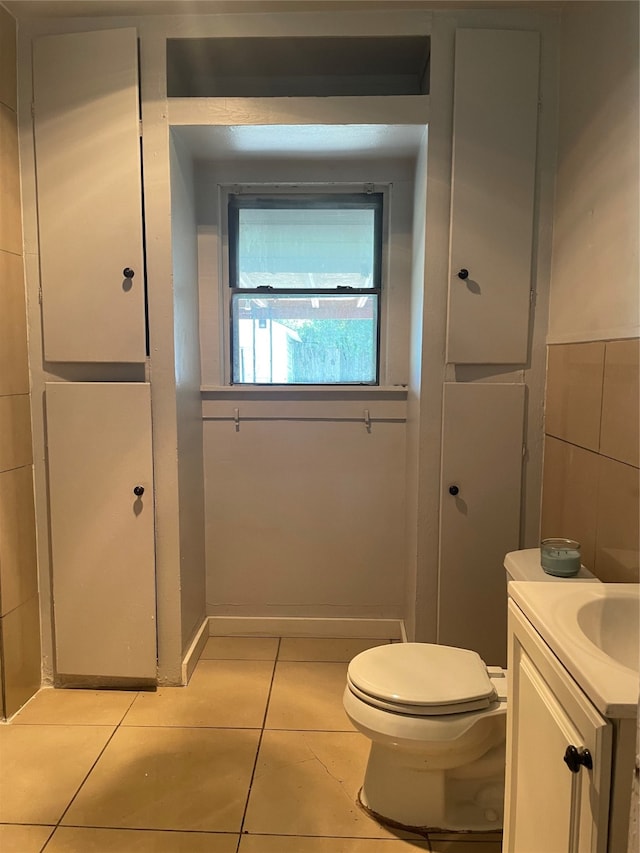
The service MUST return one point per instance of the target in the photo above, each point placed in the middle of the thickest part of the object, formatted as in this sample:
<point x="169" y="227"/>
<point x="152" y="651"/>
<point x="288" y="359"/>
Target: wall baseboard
<point x="194" y="651"/>
<point x="273" y="626"/>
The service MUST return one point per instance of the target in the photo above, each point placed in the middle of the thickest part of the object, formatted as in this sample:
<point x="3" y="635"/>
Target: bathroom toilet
<point x="436" y="717"/>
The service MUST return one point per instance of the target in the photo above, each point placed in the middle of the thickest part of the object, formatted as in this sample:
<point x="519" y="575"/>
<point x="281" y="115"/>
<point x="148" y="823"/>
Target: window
<point x="305" y="283"/>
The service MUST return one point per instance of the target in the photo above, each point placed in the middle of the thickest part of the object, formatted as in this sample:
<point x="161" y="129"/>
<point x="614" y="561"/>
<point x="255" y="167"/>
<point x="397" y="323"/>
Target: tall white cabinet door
<point x="87" y="144"/>
<point x="480" y="523"/>
<point x="494" y="156"/>
<point x="102" y="531"/>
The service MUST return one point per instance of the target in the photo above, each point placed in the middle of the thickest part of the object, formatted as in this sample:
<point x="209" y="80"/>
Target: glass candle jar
<point x="560" y="557"/>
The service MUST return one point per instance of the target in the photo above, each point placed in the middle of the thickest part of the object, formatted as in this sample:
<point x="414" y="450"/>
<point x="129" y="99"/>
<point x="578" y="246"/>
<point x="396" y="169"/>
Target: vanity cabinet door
<point x="89" y="195"/>
<point x="548" y="807"/>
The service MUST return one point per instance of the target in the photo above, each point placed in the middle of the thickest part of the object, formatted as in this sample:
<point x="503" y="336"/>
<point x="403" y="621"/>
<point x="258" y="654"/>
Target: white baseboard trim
<point x="194" y="651"/>
<point x="291" y="626"/>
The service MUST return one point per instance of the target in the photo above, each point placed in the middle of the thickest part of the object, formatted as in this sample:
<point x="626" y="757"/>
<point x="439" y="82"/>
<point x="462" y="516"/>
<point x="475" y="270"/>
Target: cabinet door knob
<point x="463" y="274"/>
<point x="576" y="758"/>
<point x="127" y="272"/>
<point x="453" y="490"/>
<point x="138" y="491"/>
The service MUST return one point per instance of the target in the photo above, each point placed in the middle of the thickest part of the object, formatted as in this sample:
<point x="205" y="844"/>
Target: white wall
<point x="305" y="513"/>
<point x="594" y="284"/>
<point x="421" y="598"/>
<point x="188" y="406"/>
<point x="416" y="345"/>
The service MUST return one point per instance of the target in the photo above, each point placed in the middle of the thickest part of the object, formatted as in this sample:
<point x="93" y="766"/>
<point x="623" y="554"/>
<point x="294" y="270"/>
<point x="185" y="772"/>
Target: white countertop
<point x="579" y="621"/>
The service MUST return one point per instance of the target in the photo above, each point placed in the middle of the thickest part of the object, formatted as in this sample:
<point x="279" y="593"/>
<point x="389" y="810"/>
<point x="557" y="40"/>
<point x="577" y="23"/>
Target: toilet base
<point x="400" y="790"/>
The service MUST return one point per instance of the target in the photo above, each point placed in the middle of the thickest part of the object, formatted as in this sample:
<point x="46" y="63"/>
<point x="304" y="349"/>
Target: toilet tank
<point x="525" y="566"/>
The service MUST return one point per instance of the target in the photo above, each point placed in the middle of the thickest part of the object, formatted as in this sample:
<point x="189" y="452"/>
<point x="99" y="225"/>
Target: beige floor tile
<point x="306" y="783"/>
<point x="321" y="649"/>
<point x="220" y="693"/>
<point x="73" y="840"/>
<point x="23" y="839"/>
<point x="43" y="767"/>
<point x="76" y="707"/>
<point x="295" y="844"/>
<point x="308" y="696"/>
<point x="169" y="778"/>
<point x="240" y="648"/>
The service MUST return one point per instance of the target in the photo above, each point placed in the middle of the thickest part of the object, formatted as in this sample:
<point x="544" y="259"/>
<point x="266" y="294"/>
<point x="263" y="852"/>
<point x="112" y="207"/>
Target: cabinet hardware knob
<point x="138" y="491"/>
<point x="576" y="758"/>
<point x="453" y="490"/>
<point x="127" y="272"/>
<point x="463" y="274"/>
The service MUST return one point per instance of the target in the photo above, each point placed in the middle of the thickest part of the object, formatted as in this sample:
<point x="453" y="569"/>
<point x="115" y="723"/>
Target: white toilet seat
<point x="420" y="710"/>
<point x="421" y="680"/>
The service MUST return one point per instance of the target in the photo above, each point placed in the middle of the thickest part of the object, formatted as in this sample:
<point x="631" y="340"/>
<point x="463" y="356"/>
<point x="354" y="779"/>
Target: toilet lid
<point x="421" y="679"/>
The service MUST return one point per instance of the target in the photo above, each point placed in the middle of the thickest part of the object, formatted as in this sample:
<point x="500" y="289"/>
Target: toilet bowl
<point x="436" y="718"/>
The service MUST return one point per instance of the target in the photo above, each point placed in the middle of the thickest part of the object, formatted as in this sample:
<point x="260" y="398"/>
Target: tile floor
<point x="256" y="755"/>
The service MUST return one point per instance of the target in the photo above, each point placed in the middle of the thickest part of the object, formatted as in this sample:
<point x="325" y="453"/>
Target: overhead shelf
<point x="298" y="67"/>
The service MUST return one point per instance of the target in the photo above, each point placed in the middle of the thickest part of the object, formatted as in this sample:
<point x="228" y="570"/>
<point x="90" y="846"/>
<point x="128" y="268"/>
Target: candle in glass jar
<point x="560" y="557"/>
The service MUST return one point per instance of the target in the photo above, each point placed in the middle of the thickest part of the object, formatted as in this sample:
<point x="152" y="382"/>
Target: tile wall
<point x="592" y="454"/>
<point x="19" y="612"/>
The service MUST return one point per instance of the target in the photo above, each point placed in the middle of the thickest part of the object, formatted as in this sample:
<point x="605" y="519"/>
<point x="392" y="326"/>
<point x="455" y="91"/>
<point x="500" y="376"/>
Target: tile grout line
<point x="89" y="772"/>
<point x="255" y="763"/>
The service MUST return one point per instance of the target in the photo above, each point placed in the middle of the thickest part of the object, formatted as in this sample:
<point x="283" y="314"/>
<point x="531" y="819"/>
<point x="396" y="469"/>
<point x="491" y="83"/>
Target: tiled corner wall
<point x="19" y="612"/>
<point x="592" y="454"/>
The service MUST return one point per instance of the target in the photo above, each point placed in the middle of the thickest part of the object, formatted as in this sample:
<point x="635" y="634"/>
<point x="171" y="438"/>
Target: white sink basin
<point x="611" y="624"/>
<point x="594" y="630"/>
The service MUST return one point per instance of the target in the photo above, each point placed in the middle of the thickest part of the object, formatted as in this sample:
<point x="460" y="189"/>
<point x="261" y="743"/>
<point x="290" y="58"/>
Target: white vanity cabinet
<point x="549" y="807"/>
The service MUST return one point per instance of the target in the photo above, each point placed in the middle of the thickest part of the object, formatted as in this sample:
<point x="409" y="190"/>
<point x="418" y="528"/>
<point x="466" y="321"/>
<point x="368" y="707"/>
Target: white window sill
<point x="368" y="403"/>
<point x="305" y="392"/>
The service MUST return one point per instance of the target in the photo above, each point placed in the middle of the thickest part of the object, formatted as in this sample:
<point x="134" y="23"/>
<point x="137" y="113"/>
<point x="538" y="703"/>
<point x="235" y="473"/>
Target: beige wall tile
<point x="15" y="432"/>
<point x="10" y="213"/>
<point x="569" y="495"/>
<point x="7" y="59"/>
<point x="14" y="362"/>
<point x="618" y="526"/>
<point x="43" y="767"/>
<point x="620" y="430"/>
<point x="574" y="393"/>
<point x="18" y="567"/>
<point x="21" y="654"/>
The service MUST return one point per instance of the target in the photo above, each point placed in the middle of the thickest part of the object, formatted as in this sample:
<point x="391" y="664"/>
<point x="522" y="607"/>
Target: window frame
<point x="326" y="196"/>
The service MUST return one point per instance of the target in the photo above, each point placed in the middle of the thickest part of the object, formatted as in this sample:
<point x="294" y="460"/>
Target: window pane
<point x="298" y="339"/>
<point x="306" y="247"/>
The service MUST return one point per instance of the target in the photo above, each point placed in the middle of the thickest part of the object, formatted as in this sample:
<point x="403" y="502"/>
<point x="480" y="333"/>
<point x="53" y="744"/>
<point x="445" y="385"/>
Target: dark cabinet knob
<point x="576" y="758"/>
<point x="453" y="490"/>
<point x="463" y="274"/>
<point x="127" y="272"/>
<point x="138" y="491"/>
